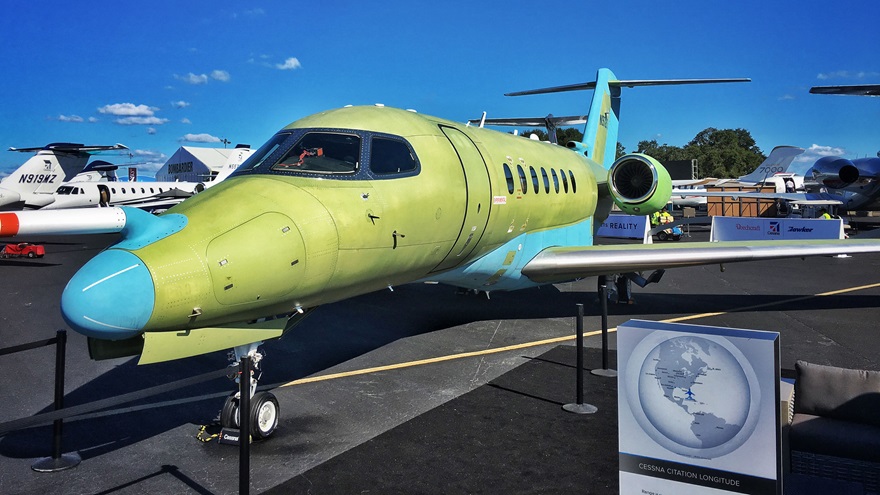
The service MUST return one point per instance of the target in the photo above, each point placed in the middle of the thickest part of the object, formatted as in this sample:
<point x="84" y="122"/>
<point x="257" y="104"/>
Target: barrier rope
<point x="68" y="412"/>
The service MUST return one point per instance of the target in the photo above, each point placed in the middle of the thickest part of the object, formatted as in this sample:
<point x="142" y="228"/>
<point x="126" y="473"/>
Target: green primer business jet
<point x="356" y="199"/>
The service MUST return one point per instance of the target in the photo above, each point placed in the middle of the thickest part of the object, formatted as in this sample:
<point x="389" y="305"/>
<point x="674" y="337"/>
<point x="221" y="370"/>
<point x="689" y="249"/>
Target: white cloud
<point x="220" y="75"/>
<point x="846" y="74"/>
<point x="151" y="130"/>
<point x="289" y="64"/>
<point x="149" y="161"/>
<point x="185" y="121"/>
<point x="149" y="155"/>
<point x="92" y="120"/>
<point x="70" y="118"/>
<point x="193" y="78"/>
<point x="179" y="104"/>
<point x="128" y="109"/>
<point x="141" y="121"/>
<point x="200" y="138"/>
<point x="817" y="151"/>
<point x="786" y="97"/>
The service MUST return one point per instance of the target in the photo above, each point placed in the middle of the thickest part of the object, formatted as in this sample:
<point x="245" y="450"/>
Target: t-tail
<point x="776" y="163"/>
<point x="600" y="134"/>
<point x="32" y="184"/>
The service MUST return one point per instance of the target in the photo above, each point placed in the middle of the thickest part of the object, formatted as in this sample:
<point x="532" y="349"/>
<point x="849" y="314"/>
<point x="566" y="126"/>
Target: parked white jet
<point x="32" y="184"/>
<point x="83" y="192"/>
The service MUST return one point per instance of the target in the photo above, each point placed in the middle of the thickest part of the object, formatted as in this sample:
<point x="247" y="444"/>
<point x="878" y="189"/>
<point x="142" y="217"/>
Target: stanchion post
<point x="58" y="461"/>
<point x="579" y="407"/>
<point x="603" y="297"/>
<point x="244" y="422"/>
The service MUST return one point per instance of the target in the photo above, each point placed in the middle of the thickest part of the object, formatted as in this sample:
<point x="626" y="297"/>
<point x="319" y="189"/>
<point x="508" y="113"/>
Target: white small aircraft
<point x="84" y="191"/>
<point x="149" y="196"/>
<point x="32" y="184"/>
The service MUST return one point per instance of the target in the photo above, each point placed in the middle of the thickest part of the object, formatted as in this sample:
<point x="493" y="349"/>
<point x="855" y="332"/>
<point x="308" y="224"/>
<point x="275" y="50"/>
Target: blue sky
<point x="159" y="75"/>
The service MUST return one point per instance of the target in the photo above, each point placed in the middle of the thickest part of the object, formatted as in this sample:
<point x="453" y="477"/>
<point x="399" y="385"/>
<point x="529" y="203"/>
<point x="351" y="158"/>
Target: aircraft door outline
<point x="478" y="189"/>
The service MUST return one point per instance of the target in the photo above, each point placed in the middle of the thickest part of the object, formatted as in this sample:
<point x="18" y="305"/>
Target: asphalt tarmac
<point x="378" y="394"/>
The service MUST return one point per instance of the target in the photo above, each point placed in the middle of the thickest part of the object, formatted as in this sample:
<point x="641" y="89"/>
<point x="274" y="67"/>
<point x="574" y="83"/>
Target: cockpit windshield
<point x="322" y="152"/>
<point x="259" y="156"/>
<point x="333" y="154"/>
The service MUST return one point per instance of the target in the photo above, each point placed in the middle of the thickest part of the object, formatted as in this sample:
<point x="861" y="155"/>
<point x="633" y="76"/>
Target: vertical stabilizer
<point x="777" y="162"/>
<point x="600" y="134"/>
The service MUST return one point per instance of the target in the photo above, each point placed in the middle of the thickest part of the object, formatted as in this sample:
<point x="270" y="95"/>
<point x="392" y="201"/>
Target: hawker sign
<point x="768" y="229"/>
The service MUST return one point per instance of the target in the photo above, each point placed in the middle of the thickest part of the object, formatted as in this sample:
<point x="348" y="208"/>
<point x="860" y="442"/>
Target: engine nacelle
<point x="639" y="184"/>
<point x="836" y="172"/>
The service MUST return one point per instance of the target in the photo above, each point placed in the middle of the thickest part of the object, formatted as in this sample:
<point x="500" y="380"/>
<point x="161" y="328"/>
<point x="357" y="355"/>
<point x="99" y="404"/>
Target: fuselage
<point x="860" y="192"/>
<point x="338" y="204"/>
<point x="149" y="195"/>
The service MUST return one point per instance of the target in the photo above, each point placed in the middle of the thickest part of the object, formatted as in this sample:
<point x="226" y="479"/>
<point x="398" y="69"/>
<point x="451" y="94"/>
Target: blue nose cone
<point x="111" y="297"/>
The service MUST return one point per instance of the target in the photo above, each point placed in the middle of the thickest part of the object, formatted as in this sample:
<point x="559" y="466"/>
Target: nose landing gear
<point x="264" y="412"/>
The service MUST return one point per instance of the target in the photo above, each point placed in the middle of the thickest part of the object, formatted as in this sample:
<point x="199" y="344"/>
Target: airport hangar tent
<point x="194" y="164"/>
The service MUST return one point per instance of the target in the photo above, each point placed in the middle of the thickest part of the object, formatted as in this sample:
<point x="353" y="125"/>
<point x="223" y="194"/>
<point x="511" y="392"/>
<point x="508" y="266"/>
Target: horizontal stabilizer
<point x="72" y="148"/>
<point x="624" y="84"/>
<point x="854" y="90"/>
<point x="534" y="121"/>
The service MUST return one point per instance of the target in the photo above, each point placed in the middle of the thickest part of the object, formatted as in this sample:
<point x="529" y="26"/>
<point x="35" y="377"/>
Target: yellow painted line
<point x="555" y="340"/>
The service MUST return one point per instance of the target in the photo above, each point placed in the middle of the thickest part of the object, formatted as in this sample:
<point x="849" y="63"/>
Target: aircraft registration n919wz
<point x="357" y="199"/>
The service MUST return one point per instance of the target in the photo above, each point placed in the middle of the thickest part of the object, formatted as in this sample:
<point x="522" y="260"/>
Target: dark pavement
<point x="429" y="419"/>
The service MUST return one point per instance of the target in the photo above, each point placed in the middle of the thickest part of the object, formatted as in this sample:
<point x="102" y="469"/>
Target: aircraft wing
<point x="801" y="198"/>
<point x="557" y="264"/>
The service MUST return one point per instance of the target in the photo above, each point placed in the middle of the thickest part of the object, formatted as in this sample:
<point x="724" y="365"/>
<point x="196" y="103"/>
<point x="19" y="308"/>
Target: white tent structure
<point x="194" y="164"/>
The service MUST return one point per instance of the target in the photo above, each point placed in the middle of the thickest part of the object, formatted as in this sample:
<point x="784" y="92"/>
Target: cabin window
<point x="390" y="156"/>
<point x="573" y="185"/>
<point x="113" y="190"/>
<point x="564" y="181"/>
<point x="522" y="179"/>
<point x="534" y="175"/>
<point x="322" y="152"/>
<point x="546" y="180"/>
<point x="555" y="179"/>
<point x="123" y="190"/>
<point x="509" y="176"/>
<point x="151" y="191"/>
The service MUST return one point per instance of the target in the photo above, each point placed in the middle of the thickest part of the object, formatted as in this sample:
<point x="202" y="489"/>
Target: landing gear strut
<point x="264" y="411"/>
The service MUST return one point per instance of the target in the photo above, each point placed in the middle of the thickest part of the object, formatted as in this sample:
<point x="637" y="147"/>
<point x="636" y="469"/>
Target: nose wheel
<point x="263" y="415"/>
<point x="264" y="412"/>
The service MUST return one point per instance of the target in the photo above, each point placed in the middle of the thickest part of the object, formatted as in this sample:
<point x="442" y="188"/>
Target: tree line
<point x="720" y="153"/>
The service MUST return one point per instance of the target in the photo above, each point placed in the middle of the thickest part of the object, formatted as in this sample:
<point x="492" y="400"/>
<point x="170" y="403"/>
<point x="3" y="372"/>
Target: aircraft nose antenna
<point x="111" y="297"/>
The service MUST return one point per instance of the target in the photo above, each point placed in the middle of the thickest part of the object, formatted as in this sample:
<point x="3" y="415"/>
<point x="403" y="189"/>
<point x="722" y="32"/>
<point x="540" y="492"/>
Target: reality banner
<point x="698" y="410"/>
